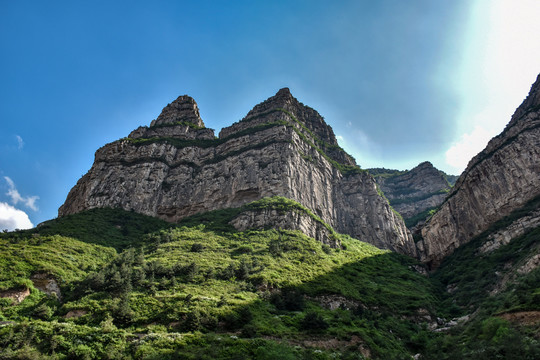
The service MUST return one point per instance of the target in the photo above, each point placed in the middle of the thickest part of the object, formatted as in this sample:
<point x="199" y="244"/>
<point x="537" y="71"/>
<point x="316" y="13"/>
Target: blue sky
<point x="400" y="82"/>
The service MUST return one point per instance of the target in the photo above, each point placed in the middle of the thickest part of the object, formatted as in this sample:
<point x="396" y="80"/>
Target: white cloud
<point x="498" y="62"/>
<point x="13" y="193"/>
<point x="11" y="218"/>
<point x="20" y="142"/>
<point x="468" y="146"/>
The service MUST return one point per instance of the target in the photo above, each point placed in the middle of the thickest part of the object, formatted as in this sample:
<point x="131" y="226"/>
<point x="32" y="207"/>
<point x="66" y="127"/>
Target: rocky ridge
<point x="517" y="228"/>
<point x="415" y="191"/>
<point x="176" y="167"/>
<point x="500" y="179"/>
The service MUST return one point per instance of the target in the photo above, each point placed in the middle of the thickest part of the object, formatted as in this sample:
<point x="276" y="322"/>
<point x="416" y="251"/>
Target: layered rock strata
<point x="515" y="229"/>
<point x="176" y="168"/>
<point x="415" y="191"/>
<point x="500" y="179"/>
<point x="290" y="220"/>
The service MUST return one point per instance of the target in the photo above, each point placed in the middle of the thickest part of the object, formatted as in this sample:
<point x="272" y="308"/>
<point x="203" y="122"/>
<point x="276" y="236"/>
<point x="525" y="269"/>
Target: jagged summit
<point x="183" y="109"/>
<point x="284" y="92"/>
<point x="415" y="192"/>
<point x="425" y="164"/>
<point x="283" y="99"/>
<point x="178" y="120"/>
<point x="284" y="108"/>
<point x="532" y="100"/>
<point x="283" y="103"/>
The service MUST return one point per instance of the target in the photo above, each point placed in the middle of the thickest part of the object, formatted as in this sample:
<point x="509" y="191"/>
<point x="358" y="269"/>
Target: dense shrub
<point x="313" y="322"/>
<point x="288" y="299"/>
<point x="196" y="247"/>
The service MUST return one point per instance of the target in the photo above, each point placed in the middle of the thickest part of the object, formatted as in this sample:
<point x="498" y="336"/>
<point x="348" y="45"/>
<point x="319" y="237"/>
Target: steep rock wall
<point x="291" y="220"/>
<point x="281" y="148"/>
<point x="500" y="179"/>
<point x="414" y="191"/>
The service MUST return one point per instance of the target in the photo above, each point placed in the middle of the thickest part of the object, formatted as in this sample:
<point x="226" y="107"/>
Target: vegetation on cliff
<point x="137" y="287"/>
<point x="206" y="289"/>
<point x="497" y="291"/>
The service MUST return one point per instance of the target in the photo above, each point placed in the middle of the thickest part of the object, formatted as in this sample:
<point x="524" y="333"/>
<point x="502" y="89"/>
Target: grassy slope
<point x="68" y="259"/>
<point x="487" y="286"/>
<point x="202" y="288"/>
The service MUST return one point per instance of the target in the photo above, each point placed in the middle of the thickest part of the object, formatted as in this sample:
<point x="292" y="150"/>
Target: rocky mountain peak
<point x="284" y="92"/>
<point x="415" y="192"/>
<point x="424" y="165"/>
<point x="180" y="120"/>
<point x="283" y="99"/>
<point x="532" y="101"/>
<point x="285" y="102"/>
<point x="183" y="109"/>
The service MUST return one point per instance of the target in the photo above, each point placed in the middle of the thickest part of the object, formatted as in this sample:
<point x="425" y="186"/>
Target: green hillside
<point x="135" y="287"/>
<point x="500" y="296"/>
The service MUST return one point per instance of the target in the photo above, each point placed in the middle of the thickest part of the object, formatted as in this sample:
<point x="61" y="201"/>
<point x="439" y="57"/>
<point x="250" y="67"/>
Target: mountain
<point x="176" y="168"/>
<point x="501" y="179"/>
<point x="413" y="193"/>
<point x="272" y="278"/>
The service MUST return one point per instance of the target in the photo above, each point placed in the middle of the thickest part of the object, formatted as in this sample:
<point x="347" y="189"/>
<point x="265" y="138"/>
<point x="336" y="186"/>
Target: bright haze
<point x="400" y="82"/>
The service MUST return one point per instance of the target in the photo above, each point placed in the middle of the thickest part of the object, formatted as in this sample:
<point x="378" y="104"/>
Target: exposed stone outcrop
<point x="334" y="302"/>
<point x="47" y="283"/>
<point x="281" y="147"/>
<point x="291" y="220"/>
<point x="17" y="295"/>
<point x="414" y="191"/>
<point x="183" y="109"/>
<point x="531" y="263"/>
<point x="179" y="119"/>
<point x="500" y="179"/>
<point x="504" y="236"/>
<point x="513" y="271"/>
<point x="180" y="131"/>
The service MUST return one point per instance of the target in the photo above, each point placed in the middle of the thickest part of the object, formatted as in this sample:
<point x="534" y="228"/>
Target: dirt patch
<point x="75" y="314"/>
<point x="17" y="295"/>
<point x="522" y="317"/>
<point x="327" y="343"/>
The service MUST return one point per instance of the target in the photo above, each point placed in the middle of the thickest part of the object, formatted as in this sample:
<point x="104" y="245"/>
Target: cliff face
<point x="415" y="191"/>
<point x="176" y="168"/>
<point x="500" y="179"/>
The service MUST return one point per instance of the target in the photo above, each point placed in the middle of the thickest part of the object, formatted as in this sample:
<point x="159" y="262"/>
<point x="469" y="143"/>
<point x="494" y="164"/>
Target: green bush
<point x="313" y="322"/>
<point x="197" y="247"/>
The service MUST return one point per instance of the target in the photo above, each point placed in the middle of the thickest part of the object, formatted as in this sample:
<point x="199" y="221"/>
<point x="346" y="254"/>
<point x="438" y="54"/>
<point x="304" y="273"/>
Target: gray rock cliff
<point x="290" y="220"/>
<point x="500" y="179"/>
<point x="415" y="191"/>
<point x="176" y="168"/>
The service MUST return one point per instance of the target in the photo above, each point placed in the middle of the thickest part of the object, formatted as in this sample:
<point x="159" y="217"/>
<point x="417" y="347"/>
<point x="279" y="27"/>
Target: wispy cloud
<point x="20" y="142"/>
<point x="11" y="218"/>
<point x="13" y="193"/>
<point x="468" y="146"/>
